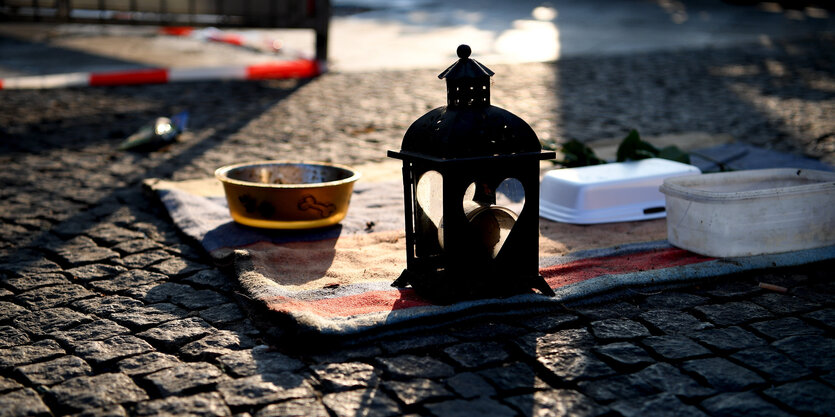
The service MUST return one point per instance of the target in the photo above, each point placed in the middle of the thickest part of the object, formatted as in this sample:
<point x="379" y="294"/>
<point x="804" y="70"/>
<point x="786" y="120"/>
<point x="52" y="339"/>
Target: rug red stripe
<point x="569" y="273"/>
<point x="369" y="302"/>
<point x="556" y="276"/>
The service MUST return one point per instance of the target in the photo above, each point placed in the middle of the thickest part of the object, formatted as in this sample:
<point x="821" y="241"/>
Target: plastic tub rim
<point x="678" y="186"/>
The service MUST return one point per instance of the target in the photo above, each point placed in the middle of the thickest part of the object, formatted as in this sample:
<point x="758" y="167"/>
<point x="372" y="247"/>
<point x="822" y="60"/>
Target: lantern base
<point x="443" y="287"/>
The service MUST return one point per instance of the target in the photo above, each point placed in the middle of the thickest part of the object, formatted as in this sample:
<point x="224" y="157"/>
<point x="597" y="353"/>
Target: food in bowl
<point x="287" y="195"/>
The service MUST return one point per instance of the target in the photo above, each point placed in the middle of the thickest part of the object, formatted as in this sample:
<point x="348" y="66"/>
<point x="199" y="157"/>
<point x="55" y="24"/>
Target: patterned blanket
<point x="337" y="281"/>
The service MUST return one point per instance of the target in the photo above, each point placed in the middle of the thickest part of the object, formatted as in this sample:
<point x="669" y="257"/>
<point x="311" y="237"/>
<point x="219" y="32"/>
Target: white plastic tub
<point x="753" y="212"/>
<point x="607" y="193"/>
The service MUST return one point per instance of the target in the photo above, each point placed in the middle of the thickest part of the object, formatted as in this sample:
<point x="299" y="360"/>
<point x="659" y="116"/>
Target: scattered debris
<point x="772" y="287"/>
<point x="161" y="132"/>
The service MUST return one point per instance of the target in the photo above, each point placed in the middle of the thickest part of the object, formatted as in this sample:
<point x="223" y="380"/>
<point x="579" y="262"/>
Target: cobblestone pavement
<point x="106" y="310"/>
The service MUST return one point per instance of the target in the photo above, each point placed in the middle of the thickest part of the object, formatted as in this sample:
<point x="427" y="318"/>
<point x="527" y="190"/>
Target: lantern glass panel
<point x="428" y="215"/>
<point x="492" y="223"/>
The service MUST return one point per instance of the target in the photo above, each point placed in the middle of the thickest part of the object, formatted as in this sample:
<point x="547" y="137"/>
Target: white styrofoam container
<point x="607" y="193"/>
<point x="754" y="212"/>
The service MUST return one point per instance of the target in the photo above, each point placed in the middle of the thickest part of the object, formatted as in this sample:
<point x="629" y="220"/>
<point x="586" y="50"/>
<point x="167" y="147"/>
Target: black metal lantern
<point x="457" y="160"/>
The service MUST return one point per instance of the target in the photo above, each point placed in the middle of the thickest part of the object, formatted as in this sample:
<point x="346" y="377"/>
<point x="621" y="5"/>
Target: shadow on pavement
<point x="22" y="57"/>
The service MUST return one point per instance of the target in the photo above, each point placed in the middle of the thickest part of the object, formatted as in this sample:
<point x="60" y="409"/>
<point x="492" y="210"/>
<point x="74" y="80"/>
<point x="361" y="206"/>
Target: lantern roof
<point x="465" y="67"/>
<point x="468" y="126"/>
<point x="450" y="133"/>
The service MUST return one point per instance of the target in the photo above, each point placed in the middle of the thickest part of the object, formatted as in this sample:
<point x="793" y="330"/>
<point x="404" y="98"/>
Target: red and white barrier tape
<point x="301" y="68"/>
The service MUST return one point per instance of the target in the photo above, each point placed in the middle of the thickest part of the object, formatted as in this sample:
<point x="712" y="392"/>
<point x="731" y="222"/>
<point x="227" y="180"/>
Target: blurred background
<point x="761" y="73"/>
<point x="399" y="34"/>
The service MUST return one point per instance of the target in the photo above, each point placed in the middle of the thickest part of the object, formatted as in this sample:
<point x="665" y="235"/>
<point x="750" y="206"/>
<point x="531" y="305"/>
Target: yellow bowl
<point x="287" y="195"/>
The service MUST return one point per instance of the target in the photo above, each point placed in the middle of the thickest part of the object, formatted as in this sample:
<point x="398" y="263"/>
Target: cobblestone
<point x="9" y="336"/>
<point x="86" y="392"/>
<point x="110" y="234"/>
<point x="663" y="404"/>
<point x="416" y="366"/>
<point x="54" y="371"/>
<point x="26" y="354"/>
<point x="136" y="245"/>
<point x="30" y="282"/>
<point x="210" y="278"/>
<point x="618" y="387"/>
<point x="784" y="304"/>
<point x="106" y="305"/>
<point x="264" y="389"/>
<point x="202" y="299"/>
<point x="123" y="283"/>
<point x="299" y="407"/>
<point x="184" y="377"/>
<point x="222" y="314"/>
<point x="784" y="327"/>
<point x="825" y="318"/>
<point x="625" y="354"/>
<point x="93" y="272"/>
<point x="371" y="401"/>
<point x="147" y="363"/>
<point x="723" y="374"/>
<point x="476" y="355"/>
<point x="469" y="385"/>
<point x="197" y="405"/>
<point x="175" y="267"/>
<point x="175" y="333"/>
<point x="728" y="338"/>
<point x="617" y="329"/>
<point x="417" y="391"/>
<point x="23" y="402"/>
<point x="615" y="310"/>
<point x="345" y="376"/>
<point x="258" y="360"/>
<point x="805" y="397"/>
<point x="481" y="406"/>
<point x="23" y="267"/>
<point x="82" y="250"/>
<point x="7" y="384"/>
<point x="674" y="322"/>
<point x="741" y="404"/>
<point x="512" y="377"/>
<point x="534" y="344"/>
<point x="10" y="310"/>
<point x="143" y="260"/>
<point x="44" y="322"/>
<point x="732" y="313"/>
<point x="666" y="378"/>
<point x="97" y="330"/>
<point x="219" y="343"/>
<point x="117" y="347"/>
<point x="675" y="347"/>
<point x="54" y="296"/>
<point x="570" y="363"/>
<point x="145" y="316"/>
<point x="768" y="361"/>
<point x="560" y="402"/>
<point x="814" y="352"/>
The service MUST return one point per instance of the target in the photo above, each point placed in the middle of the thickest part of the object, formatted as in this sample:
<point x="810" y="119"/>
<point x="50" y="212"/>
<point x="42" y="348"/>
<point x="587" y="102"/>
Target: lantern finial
<point x="464" y="51"/>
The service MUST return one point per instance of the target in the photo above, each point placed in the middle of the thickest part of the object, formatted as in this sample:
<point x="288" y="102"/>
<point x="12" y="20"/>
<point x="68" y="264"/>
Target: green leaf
<point x="633" y="148"/>
<point x="577" y="154"/>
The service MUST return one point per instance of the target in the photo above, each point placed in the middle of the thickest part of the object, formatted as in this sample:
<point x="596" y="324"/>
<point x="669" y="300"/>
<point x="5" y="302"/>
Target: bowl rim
<point x="221" y="174"/>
